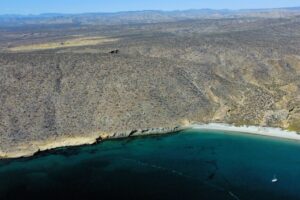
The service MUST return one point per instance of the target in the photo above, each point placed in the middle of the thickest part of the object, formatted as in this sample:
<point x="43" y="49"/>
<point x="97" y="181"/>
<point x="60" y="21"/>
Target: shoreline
<point x="40" y="146"/>
<point x="37" y="147"/>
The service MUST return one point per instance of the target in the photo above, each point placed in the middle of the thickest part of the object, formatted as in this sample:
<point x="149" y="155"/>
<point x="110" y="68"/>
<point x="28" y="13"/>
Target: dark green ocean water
<point x="187" y="165"/>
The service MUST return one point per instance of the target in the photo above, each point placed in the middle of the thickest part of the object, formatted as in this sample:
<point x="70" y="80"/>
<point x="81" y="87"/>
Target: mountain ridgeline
<point x="148" y="16"/>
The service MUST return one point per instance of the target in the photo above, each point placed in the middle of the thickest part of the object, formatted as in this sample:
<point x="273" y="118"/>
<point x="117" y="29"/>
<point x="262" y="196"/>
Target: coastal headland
<point x="69" y="80"/>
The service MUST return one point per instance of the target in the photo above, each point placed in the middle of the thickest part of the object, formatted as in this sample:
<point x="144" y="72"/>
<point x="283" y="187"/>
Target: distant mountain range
<point x="147" y="16"/>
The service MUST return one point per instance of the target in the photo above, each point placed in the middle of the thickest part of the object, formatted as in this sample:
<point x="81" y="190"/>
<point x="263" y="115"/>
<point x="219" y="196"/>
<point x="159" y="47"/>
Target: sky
<point x="82" y="6"/>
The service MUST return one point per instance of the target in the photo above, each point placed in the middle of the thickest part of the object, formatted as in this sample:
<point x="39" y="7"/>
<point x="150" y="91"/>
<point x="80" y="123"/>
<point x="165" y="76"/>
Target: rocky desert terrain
<point x="66" y="81"/>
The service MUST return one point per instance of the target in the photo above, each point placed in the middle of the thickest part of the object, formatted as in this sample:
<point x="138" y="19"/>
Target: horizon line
<point x="153" y="10"/>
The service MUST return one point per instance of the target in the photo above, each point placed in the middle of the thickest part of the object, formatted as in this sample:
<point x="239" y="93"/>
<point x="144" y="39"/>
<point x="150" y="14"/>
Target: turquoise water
<point x="186" y="165"/>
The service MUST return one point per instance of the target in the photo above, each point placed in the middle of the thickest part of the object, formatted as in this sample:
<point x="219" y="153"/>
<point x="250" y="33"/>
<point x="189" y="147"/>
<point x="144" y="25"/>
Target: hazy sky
<point x="80" y="6"/>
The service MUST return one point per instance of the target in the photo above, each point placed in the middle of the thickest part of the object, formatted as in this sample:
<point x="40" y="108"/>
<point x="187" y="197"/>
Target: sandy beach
<point x="257" y="130"/>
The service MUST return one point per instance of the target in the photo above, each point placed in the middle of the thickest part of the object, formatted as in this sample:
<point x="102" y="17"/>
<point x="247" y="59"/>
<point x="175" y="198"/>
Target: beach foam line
<point x="257" y="130"/>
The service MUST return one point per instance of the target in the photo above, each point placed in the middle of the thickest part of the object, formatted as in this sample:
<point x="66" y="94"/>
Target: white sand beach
<point x="257" y="130"/>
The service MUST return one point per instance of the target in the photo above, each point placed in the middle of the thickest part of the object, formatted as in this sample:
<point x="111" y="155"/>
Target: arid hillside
<point x="61" y="82"/>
